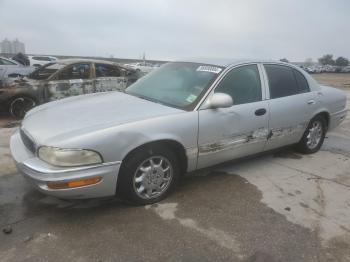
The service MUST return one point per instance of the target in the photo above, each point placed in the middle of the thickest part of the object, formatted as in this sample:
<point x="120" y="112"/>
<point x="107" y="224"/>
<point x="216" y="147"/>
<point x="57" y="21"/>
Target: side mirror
<point x="219" y="100"/>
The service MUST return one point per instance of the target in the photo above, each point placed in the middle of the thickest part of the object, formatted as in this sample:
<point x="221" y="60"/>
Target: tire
<point x="20" y="105"/>
<point x="314" y="135"/>
<point x="139" y="179"/>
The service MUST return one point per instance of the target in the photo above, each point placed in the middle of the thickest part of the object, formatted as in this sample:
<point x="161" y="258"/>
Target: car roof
<point x="82" y="60"/>
<point x="226" y="62"/>
<point x="69" y="61"/>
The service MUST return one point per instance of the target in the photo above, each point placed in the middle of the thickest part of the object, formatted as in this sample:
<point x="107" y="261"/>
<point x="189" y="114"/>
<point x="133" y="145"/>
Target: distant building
<point x="12" y="47"/>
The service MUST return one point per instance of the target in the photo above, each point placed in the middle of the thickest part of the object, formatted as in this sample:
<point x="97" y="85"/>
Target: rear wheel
<point x="19" y="106"/>
<point x="148" y="175"/>
<point x="314" y="135"/>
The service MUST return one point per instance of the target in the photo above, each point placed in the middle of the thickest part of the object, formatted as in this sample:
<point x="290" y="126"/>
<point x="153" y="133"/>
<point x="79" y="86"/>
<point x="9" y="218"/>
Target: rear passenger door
<point x="291" y="105"/>
<point x="109" y="78"/>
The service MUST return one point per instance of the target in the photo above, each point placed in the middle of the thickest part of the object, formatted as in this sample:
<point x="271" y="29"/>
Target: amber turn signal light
<point x="74" y="183"/>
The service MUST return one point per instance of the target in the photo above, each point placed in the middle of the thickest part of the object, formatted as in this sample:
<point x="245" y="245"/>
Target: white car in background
<point x="345" y="69"/>
<point x="10" y="69"/>
<point x="39" y="61"/>
<point x="144" y="67"/>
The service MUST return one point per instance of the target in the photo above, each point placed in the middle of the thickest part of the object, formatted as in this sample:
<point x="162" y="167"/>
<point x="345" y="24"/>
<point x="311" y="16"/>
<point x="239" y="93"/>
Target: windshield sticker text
<point x="211" y="69"/>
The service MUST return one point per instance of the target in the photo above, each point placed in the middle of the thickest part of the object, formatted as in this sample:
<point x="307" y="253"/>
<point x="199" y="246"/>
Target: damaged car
<point x="62" y="79"/>
<point x="182" y="117"/>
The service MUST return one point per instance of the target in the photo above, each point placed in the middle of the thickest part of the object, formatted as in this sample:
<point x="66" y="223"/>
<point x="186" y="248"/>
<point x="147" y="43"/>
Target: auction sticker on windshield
<point x="211" y="69"/>
<point x="191" y="98"/>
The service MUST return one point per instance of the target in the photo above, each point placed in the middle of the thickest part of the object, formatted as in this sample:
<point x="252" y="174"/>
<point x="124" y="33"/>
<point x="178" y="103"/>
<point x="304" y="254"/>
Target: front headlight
<point x="68" y="157"/>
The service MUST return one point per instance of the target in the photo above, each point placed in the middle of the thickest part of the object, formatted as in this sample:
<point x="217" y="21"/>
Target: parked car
<point x="182" y="117"/>
<point x="144" y="67"/>
<point x="39" y="61"/>
<point x="62" y="79"/>
<point x="345" y="69"/>
<point x="12" y="69"/>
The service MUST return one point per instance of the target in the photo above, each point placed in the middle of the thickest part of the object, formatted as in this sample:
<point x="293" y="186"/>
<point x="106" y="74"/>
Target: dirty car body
<point x="62" y="79"/>
<point x="191" y="114"/>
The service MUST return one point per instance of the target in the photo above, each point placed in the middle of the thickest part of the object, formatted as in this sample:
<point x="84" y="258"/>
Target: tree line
<point x="326" y="60"/>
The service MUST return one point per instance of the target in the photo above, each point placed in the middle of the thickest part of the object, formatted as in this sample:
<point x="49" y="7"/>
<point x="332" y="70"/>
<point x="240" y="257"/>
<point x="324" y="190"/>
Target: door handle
<point x="260" y="112"/>
<point x="311" y="102"/>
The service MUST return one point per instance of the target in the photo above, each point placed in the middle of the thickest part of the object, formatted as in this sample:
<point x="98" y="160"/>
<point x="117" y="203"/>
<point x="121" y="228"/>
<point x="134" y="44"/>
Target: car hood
<point x="87" y="113"/>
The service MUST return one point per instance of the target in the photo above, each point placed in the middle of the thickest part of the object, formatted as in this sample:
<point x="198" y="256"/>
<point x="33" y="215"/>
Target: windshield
<point x="46" y="71"/>
<point x="177" y="84"/>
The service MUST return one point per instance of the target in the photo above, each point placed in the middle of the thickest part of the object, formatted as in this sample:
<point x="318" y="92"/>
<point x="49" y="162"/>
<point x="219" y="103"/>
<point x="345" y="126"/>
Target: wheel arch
<point x="19" y="95"/>
<point x="325" y="114"/>
<point x="171" y="144"/>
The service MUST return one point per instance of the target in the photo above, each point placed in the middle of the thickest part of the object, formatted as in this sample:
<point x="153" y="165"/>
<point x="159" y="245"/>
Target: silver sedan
<point x="181" y="117"/>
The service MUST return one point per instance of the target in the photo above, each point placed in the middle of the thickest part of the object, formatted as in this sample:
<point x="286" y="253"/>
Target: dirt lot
<point x="280" y="206"/>
<point x="333" y="79"/>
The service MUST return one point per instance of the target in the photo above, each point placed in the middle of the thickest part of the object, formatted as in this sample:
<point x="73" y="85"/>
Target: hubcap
<point x="152" y="177"/>
<point x="315" y="134"/>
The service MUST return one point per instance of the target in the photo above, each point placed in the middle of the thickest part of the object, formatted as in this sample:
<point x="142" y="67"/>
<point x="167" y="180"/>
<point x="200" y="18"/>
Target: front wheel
<point x="314" y="135"/>
<point x="21" y="105"/>
<point x="148" y="175"/>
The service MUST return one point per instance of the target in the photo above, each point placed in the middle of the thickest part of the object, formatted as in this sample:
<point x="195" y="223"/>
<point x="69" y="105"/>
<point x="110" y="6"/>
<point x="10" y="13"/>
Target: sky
<point x="179" y="29"/>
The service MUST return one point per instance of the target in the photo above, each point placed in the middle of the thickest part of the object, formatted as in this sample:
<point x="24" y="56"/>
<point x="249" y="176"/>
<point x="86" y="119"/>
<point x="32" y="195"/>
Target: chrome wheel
<point x="153" y="177"/>
<point x="315" y="135"/>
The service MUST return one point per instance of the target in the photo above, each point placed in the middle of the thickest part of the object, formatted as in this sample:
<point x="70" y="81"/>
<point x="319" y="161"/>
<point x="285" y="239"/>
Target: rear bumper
<point x="39" y="173"/>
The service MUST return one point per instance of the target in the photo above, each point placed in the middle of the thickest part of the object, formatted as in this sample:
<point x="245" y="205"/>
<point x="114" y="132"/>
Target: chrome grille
<point x="27" y="141"/>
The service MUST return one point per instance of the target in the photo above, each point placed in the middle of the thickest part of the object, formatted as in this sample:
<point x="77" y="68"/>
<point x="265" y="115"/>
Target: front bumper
<point x="39" y="173"/>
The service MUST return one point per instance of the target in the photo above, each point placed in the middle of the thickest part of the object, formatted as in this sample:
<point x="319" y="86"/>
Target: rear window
<point x="41" y="58"/>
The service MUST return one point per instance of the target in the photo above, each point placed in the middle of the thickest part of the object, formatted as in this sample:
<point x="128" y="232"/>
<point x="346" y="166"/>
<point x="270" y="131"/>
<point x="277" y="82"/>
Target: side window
<point x="282" y="81"/>
<point x="76" y="71"/>
<point x="242" y="84"/>
<point x="303" y="85"/>
<point x="104" y="70"/>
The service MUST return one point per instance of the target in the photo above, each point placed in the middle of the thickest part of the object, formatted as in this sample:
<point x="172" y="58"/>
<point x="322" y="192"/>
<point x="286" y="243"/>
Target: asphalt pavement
<point x="280" y="206"/>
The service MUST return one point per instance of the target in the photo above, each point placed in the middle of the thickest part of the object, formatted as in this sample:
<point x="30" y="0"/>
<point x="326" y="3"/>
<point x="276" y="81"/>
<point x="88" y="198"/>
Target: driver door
<point x="237" y="131"/>
<point x="72" y="80"/>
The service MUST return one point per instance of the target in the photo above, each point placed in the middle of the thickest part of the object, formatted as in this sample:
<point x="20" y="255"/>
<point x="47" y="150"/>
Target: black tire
<point x="126" y="187"/>
<point x="304" y="144"/>
<point x="20" y="105"/>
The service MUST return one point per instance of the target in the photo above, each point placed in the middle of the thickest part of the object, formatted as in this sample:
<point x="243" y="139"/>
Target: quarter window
<point x="242" y="84"/>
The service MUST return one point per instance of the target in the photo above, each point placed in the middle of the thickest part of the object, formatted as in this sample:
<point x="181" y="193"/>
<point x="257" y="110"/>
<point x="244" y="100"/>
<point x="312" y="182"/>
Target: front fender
<point x="115" y="142"/>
